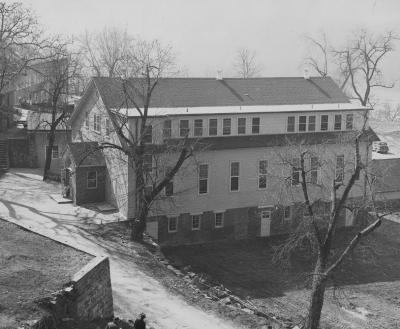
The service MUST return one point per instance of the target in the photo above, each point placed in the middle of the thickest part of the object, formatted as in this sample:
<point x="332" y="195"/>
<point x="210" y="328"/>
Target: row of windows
<point x="308" y="123"/>
<point x="313" y="174"/>
<point x="219" y="219"/>
<point x="199" y="127"/>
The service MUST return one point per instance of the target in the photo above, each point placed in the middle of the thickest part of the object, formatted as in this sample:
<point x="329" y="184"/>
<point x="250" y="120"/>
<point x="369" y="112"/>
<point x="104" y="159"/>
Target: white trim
<point x="208" y="179"/>
<point x="205" y="110"/>
<point x="264" y="210"/>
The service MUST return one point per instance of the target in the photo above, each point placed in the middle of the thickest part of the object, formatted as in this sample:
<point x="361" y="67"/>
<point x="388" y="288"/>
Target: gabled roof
<point x="208" y="92"/>
<point x="86" y="154"/>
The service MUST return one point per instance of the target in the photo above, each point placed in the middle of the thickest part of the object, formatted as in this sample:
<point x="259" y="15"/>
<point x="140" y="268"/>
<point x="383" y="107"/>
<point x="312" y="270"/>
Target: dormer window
<point x="213" y="127"/>
<point x="302" y="123"/>
<point x="241" y="126"/>
<point x="198" y="127"/>
<point x="349" y="121"/>
<point x="324" y="122"/>
<point x="183" y="128"/>
<point x="291" y="124"/>
<point x="255" y="126"/>
<point x="338" y="122"/>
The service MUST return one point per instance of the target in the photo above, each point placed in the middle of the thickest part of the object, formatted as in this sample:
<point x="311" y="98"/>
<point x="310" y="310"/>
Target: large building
<point x="243" y="180"/>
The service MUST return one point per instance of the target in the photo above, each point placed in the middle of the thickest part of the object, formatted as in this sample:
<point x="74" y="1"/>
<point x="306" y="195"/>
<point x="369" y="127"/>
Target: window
<point x="302" y="123"/>
<point x="339" y="174"/>
<point x="108" y="127"/>
<point x="255" y="126"/>
<point x="291" y="121"/>
<point x="183" y="128"/>
<point x="198" y="127"/>
<point x="314" y="168"/>
<point x="226" y="127"/>
<point x="96" y="122"/>
<point x="54" y="151"/>
<point x="213" y="127"/>
<point x="338" y="122"/>
<point x="262" y="174"/>
<point x="219" y="219"/>
<point x="324" y="122"/>
<point x="87" y="119"/>
<point x="203" y="178"/>
<point x="241" y="126"/>
<point x="147" y="163"/>
<point x="296" y="172"/>
<point x="234" y="176"/>
<point x="167" y="129"/>
<point x="91" y="181"/>
<point x="287" y="213"/>
<point x="311" y="123"/>
<point x="196" y="222"/>
<point x="265" y="214"/>
<point x="148" y="134"/>
<point x="349" y="121"/>
<point x="169" y="188"/>
<point x="172" y="224"/>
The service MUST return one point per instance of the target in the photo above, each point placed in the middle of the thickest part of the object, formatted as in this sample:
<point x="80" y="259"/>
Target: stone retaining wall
<point x="86" y="298"/>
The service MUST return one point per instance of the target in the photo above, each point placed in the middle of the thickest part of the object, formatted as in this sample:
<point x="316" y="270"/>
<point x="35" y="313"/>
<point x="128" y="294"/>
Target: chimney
<point x="306" y="73"/>
<point x="219" y="75"/>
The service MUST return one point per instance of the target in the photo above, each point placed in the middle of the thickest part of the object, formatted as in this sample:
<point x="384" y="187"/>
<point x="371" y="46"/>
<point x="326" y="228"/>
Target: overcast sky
<point x="205" y="34"/>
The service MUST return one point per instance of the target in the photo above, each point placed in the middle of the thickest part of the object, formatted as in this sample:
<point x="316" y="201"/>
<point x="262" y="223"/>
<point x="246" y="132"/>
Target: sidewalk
<point x="24" y="200"/>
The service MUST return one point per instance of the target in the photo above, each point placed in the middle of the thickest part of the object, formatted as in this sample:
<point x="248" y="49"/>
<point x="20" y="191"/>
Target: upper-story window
<point x="226" y="126"/>
<point x="203" y="178"/>
<point x="234" y="170"/>
<point x="339" y="172"/>
<point x="167" y="129"/>
<point x="255" y="126"/>
<point x="311" y="123"/>
<point x="241" y="126"/>
<point x="213" y="127"/>
<point x="87" y="119"/>
<point x="302" y="123"/>
<point x="338" y="122"/>
<point x="96" y="122"/>
<point x="349" y="121"/>
<point x="148" y="134"/>
<point x="291" y="121"/>
<point x="108" y="126"/>
<point x="314" y="170"/>
<point x="296" y="171"/>
<point x="324" y="122"/>
<point x="262" y="174"/>
<point x="198" y="127"/>
<point x="183" y="128"/>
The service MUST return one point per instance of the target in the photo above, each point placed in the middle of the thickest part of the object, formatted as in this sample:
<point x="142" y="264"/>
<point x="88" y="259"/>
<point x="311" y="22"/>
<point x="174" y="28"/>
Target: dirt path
<point x="24" y="199"/>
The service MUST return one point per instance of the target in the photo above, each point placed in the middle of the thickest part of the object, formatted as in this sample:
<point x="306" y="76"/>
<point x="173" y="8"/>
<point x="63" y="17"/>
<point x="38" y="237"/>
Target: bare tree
<point x="149" y="63"/>
<point x="318" y="225"/>
<point x="106" y="51"/>
<point x="245" y="64"/>
<point x="357" y="67"/>
<point x="48" y="97"/>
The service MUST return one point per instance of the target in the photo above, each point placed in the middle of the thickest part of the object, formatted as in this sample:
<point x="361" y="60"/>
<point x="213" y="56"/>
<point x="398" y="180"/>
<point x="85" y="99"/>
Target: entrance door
<point x="265" y="228"/>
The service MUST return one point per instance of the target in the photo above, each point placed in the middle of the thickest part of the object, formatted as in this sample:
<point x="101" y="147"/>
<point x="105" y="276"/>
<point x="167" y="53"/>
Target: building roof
<point x="275" y="140"/>
<point x="86" y="154"/>
<point x="210" y="92"/>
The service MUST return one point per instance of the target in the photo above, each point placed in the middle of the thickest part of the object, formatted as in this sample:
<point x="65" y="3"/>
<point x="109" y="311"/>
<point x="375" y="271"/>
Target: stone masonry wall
<point x="87" y="297"/>
<point x="92" y="285"/>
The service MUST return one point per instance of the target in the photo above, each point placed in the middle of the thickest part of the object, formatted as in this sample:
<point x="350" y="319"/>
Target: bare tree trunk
<point x="49" y="148"/>
<point x="139" y="225"/>
<point x="317" y="297"/>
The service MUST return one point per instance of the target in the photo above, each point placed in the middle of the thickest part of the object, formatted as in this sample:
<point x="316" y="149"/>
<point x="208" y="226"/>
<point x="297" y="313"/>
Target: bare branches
<point x="246" y="65"/>
<point x="319" y="65"/>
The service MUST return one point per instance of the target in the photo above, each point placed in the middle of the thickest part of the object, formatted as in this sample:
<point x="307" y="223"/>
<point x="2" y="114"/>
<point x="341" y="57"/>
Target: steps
<point x="4" y="160"/>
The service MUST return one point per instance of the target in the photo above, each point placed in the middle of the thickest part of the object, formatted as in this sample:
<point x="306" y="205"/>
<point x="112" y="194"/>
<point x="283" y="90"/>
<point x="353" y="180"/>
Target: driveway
<point x="24" y="200"/>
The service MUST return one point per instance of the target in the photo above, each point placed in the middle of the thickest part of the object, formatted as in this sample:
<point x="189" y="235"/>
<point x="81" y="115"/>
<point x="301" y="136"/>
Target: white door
<point x="349" y="221"/>
<point x="265" y="229"/>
